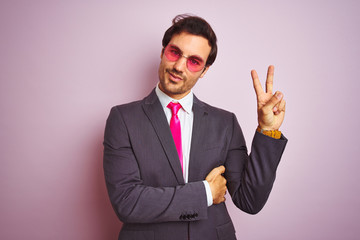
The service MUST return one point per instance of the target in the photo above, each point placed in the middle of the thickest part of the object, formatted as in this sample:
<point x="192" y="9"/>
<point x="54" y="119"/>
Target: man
<point x="169" y="158"/>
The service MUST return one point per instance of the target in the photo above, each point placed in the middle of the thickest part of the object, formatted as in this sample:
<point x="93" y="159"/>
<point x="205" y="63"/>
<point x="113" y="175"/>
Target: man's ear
<point x="204" y="71"/>
<point x="162" y="52"/>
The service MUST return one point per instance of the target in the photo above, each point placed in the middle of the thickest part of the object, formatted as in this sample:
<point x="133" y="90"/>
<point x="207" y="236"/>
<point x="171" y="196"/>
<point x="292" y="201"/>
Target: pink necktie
<point x="176" y="128"/>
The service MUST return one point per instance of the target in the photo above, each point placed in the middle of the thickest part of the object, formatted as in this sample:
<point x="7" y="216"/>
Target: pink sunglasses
<point x="194" y="63"/>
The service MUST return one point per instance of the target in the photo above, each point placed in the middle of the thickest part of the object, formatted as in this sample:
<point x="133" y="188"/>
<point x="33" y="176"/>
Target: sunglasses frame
<point x="167" y="51"/>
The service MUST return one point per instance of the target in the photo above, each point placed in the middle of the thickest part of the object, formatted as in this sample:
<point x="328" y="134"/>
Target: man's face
<point x="176" y="80"/>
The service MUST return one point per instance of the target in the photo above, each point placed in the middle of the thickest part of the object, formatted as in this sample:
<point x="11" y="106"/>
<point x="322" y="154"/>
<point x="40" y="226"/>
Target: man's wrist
<point x="271" y="133"/>
<point x="208" y="193"/>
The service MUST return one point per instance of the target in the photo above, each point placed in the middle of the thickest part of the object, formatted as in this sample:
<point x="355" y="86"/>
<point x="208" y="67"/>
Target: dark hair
<point x="193" y="25"/>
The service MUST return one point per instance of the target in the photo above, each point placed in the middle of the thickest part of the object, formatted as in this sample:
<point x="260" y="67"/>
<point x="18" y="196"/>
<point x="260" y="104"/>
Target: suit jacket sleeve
<point x="132" y="200"/>
<point x="250" y="177"/>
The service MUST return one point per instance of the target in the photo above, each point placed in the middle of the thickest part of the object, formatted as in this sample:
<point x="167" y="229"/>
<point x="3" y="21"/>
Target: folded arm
<point x="134" y="201"/>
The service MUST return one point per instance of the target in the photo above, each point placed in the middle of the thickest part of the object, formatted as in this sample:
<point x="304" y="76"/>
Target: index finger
<point x="256" y="83"/>
<point x="270" y="79"/>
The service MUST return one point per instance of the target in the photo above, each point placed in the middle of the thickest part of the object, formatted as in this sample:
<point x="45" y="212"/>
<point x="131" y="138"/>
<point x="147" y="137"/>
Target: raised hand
<point x="270" y="107"/>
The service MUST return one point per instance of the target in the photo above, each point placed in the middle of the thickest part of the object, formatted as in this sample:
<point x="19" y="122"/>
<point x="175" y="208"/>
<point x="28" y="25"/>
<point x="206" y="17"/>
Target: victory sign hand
<point x="270" y="107"/>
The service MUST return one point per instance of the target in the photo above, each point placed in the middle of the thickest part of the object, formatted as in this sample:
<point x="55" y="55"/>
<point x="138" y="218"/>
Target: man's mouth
<point x="174" y="77"/>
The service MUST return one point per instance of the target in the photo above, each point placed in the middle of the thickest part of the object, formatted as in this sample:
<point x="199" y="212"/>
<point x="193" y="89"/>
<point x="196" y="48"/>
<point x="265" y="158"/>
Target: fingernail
<point x="279" y="95"/>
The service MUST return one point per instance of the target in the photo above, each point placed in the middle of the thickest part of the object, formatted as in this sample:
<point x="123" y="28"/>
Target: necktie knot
<point x="174" y="107"/>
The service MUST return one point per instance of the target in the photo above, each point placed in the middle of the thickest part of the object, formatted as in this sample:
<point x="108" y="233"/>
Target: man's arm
<point x="132" y="200"/>
<point x="250" y="178"/>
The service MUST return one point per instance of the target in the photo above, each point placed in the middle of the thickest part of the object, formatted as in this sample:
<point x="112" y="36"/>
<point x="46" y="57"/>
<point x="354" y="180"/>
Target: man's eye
<point x="194" y="61"/>
<point x="175" y="52"/>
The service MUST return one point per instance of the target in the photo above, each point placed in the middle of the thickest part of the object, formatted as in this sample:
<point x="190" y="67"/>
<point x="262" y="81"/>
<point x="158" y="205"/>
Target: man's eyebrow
<point x="197" y="57"/>
<point x="174" y="46"/>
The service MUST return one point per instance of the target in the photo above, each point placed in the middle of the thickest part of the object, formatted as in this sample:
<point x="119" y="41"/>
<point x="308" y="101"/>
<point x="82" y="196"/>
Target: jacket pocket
<point x="226" y="231"/>
<point x="136" y="235"/>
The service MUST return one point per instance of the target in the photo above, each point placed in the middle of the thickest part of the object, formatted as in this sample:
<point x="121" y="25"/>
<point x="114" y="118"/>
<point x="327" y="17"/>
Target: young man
<point x="169" y="158"/>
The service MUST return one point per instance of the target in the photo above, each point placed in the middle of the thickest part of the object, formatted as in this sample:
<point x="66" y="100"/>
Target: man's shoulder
<point x="135" y="105"/>
<point x="128" y="106"/>
<point x="128" y="112"/>
<point x="213" y="110"/>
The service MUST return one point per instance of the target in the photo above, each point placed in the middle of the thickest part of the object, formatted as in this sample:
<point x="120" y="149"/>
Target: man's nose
<point x="180" y="64"/>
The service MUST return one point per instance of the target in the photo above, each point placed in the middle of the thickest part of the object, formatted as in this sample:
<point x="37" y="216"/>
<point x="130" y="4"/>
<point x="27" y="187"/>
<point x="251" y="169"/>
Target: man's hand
<point x="217" y="184"/>
<point x="271" y="108"/>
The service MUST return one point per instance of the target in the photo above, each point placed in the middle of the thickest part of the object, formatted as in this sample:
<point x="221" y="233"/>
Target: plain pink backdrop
<point x="64" y="64"/>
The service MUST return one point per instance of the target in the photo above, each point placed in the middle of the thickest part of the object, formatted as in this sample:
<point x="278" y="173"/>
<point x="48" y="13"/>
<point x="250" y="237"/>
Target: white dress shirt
<point x="186" y="117"/>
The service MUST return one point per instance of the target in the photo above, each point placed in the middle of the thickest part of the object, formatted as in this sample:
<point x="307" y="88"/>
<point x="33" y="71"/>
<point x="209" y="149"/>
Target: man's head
<point x="195" y="26"/>
<point x="189" y="48"/>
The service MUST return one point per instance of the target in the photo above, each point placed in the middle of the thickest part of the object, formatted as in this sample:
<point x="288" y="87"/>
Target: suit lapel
<point x="154" y="111"/>
<point x="198" y="132"/>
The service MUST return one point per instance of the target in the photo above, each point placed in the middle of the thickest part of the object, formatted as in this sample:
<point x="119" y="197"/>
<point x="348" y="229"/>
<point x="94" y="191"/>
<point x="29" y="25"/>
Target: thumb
<point x="215" y="172"/>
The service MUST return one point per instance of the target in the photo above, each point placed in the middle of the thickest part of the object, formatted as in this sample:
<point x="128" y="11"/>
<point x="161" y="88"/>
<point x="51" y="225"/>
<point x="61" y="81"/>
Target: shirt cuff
<point x="208" y="193"/>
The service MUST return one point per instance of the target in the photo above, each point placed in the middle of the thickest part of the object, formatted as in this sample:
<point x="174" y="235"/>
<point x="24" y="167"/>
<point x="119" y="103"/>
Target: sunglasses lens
<point x="172" y="54"/>
<point x="193" y="63"/>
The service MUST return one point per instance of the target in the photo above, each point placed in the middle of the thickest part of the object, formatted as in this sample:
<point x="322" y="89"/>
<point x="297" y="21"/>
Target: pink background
<point x="63" y="64"/>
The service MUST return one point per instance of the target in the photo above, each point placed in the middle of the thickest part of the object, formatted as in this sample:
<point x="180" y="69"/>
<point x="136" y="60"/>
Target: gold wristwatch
<point x="271" y="133"/>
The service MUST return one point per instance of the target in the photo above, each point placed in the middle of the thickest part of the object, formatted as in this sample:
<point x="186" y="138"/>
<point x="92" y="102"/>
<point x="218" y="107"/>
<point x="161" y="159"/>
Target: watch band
<point x="271" y="133"/>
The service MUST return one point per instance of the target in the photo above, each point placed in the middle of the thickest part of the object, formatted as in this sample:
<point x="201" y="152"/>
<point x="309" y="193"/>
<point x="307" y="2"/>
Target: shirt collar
<point x="186" y="102"/>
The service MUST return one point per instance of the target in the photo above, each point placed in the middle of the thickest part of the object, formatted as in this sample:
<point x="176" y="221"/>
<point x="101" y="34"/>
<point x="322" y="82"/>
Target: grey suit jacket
<point x="144" y="178"/>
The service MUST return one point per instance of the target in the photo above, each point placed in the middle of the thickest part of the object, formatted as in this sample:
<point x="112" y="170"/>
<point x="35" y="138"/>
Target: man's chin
<point x="173" y="91"/>
<point x="173" y="85"/>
